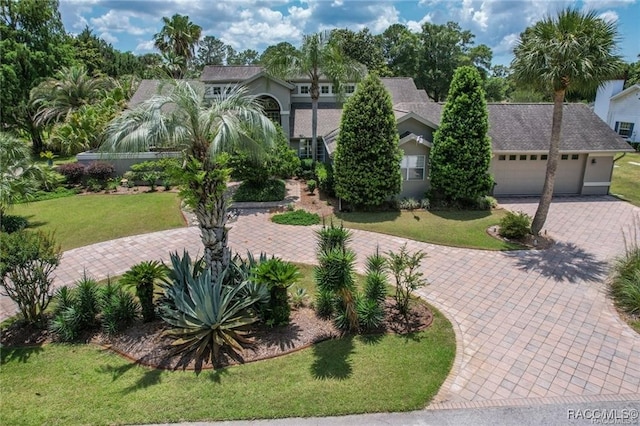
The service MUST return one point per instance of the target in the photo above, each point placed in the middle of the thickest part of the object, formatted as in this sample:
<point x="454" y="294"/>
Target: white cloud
<point x="609" y="16"/>
<point x="117" y="21"/>
<point x="417" y="26"/>
<point x="604" y="4"/>
<point x="144" y="47"/>
<point x="109" y="38"/>
<point x="507" y="44"/>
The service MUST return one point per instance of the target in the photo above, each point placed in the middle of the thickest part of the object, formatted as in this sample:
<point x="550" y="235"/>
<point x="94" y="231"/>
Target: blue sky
<point x="250" y="24"/>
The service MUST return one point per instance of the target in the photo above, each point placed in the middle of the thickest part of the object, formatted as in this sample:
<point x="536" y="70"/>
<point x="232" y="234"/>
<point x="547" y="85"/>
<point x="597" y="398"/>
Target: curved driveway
<point x="532" y="327"/>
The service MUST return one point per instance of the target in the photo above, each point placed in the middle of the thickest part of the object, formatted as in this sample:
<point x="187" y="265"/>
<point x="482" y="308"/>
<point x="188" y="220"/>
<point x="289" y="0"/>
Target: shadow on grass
<point x="461" y="215"/>
<point x="18" y="354"/>
<point x="149" y="377"/>
<point x="332" y="359"/>
<point x="368" y="217"/>
<point x="564" y="261"/>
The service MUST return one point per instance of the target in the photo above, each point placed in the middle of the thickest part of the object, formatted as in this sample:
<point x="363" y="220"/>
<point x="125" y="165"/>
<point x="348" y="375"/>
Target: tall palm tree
<point x="178" y="38"/>
<point x="68" y="90"/>
<point x="179" y="118"/>
<point x="318" y="57"/>
<point x="573" y="52"/>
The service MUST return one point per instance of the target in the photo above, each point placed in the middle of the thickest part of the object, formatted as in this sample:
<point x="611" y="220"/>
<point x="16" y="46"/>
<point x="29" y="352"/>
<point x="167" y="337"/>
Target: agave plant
<point x="205" y="315"/>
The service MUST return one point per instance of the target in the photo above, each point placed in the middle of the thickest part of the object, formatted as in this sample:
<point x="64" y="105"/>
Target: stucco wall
<point x="415" y="188"/>
<point x="123" y="162"/>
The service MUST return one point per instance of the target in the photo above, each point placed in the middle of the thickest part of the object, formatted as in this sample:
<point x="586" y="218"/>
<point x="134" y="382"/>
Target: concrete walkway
<point x="532" y="327"/>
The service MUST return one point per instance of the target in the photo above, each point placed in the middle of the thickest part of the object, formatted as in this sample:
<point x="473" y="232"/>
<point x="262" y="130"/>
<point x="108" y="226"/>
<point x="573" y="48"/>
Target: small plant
<point x="151" y="178"/>
<point x="112" y="185"/>
<point x="278" y="276"/>
<point x="95" y="185"/>
<point x="296" y="217"/>
<point x="11" y="223"/>
<point x="88" y="301"/>
<point x="425" y="204"/>
<point x="486" y="202"/>
<point x="331" y="236"/>
<point x="324" y="303"/>
<point x="49" y="156"/>
<point x="27" y="260"/>
<point x="118" y="308"/>
<point x="376" y="280"/>
<point x="324" y="175"/>
<point x="403" y="266"/>
<point x="143" y="277"/>
<point x="409" y="204"/>
<point x="298" y="297"/>
<point x="335" y="274"/>
<point x="515" y="225"/>
<point x="73" y="172"/>
<point x="311" y="186"/>
<point x="100" y="170"/>
<point x="306" y="171"/>
<point x="370" y="314"/>
<point x="624" y="285"/>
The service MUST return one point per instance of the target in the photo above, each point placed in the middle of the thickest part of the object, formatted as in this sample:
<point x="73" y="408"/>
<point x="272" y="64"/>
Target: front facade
<point x="519" y="133"/>
<point x="620" y="109"/>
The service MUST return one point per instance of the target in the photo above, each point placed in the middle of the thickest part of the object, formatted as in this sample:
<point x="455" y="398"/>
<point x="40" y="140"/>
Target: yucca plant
<point x="87" y="305"/>
<point x="332" y="236"/>
<point x="370" y="313"/>
<point x="376" y="279"/>
<point x="118" y="308"/>
<point x="143" y="277"/>
<point x="205" y="315"/>
<point x="277" y="275"/>
<point x="336" y="274"/>
<point x="65" y="323"/>
<point x="325" y="303"/>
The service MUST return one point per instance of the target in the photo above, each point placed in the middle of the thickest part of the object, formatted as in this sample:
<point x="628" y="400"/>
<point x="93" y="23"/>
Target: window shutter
<point x="617" y="126"/>
<point x="631" y="129"/>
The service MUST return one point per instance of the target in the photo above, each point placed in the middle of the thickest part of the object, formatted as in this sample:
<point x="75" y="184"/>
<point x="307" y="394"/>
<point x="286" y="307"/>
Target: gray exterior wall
<point x="416" y="127"/>
<point x="123" y="161"/>
<point x="415" y="188"/>
<point x="597" y="174"/>
<point x="264" y="86"/>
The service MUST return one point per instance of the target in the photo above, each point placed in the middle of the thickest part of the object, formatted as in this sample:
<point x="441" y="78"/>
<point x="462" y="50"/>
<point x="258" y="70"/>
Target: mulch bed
<point x="144" y="344"/>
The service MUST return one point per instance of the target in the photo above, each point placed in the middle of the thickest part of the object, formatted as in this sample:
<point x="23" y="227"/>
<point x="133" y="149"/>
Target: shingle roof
<point x="148" y="88"/>
<point x="403" y="89"/>
<point x="328" y="121"/>
<point x="527" y="127"/>
<point x="429" y="110"/>
<point x="225" y="74"/>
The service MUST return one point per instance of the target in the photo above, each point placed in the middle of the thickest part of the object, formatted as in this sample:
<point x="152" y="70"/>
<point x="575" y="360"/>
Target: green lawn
<point x="450" y="228"/>
<point x="78" y="384"/>
<point x="86" y="219"/>
<point x="626" y="178"/>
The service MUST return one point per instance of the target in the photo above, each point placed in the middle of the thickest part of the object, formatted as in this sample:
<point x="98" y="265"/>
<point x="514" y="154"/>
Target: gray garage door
<point x="522" y="176"/>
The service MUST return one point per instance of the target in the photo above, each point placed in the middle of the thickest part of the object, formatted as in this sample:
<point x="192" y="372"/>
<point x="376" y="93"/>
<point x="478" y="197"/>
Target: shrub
<point x="486" y="202"/>
<point x="248" y="169"/>
<point x="88" y="302"/>
<point x="11" y="223"/>
<point x="118" y="308"/>
<point x="311" y="186"/>
<point x="425" y="204"/>
<point x="403" y="266"/>
<point x="624" y="286"/>
<point x="271" y="190"/>
<point x="95" y="185"/>
<point x="143" y="277"/>
<point x="296" y="217"/>
<point x="370" y="314"/>
<point x="515" y="225"/>
<point x="73" y="172"/>
<point x="331" y="236"/>
<point x="164" y="169"/>
<point x="298" y="297"/>
<point x="324" y="304"/>
<point x="278" y="276"/>
<point x="324" y="176"/>
<point x="376" y="280"/>
<point x="100" y="170"/>
<point x="282" y="161"/>
<point x="27" y="260"/>
<point x="409" y="204"/>
<point x="306" y="170"/>
<point x="335" y="274"/>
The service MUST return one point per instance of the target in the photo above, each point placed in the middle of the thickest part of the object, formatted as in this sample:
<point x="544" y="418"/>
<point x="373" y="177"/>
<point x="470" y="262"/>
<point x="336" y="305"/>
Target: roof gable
<point x="229" y="74"/>
<point x="629" y="90"/>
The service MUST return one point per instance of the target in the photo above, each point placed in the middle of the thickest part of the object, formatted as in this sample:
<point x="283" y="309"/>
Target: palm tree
<point x="18" y="175"/>
<point x="318" y="57"/>
<point x="69" y="89"/>
<point x="573" y="52"/>
<point x="179" y="118"/>
<point x="178" y="38"/>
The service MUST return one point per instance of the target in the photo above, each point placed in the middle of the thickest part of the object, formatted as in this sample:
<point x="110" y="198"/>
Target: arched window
<point x="271" y="108"/>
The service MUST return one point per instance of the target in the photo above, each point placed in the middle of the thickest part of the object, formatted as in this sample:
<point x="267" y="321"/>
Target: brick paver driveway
<point x="532" y="326"/>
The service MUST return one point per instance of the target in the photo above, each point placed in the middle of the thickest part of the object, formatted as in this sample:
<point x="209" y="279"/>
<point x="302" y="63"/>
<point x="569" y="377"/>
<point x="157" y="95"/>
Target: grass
<point x="84" y="384"/>
<point x="626" y="176"/>
<point x="450" y="228"/>
<point x="296" y="217"/>
<point x="86" y="219"/>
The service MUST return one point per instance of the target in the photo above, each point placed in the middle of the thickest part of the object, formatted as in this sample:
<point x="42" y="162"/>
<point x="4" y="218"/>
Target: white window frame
<point x="413" y="162"/>
<point x="305" y="148"/>
<point x="625" y="128"/>
<point x="304" y="89"/>
<point x="324" y="87"/>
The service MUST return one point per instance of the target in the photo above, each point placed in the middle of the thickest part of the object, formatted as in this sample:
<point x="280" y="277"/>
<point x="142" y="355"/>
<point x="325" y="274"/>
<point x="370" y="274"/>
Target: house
<point x="519" y="133"/>
<point x="619" y="108"/>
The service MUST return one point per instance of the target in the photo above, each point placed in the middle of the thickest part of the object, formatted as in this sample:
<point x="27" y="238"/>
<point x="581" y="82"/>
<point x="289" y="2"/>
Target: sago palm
<point x="178" y="118"/>
<point x="69" y="89"/>
<point x="573" y="52"/>
<point x="318" y="57"/>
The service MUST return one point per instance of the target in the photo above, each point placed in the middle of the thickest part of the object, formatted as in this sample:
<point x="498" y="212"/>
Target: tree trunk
<point x="552" y="164"/>
<point x="314" y="128"/>
<point x="214" y="234"/>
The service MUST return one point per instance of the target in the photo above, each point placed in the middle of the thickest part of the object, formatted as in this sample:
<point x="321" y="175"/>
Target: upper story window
<point x="304" y="89"/>
<point x="217" y="90"/>
<point x="624" y="129"/>
<point x="350" y="88"/>
<point x="324" y="89"/>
